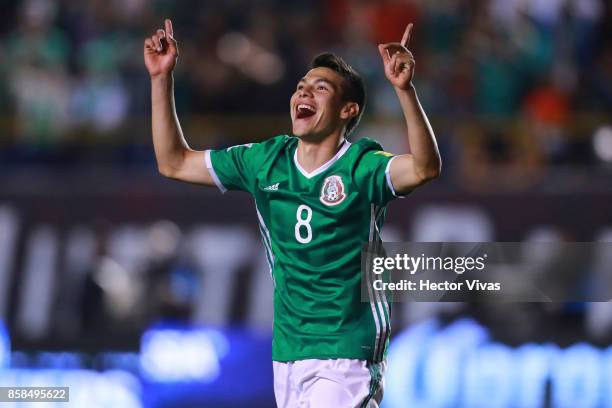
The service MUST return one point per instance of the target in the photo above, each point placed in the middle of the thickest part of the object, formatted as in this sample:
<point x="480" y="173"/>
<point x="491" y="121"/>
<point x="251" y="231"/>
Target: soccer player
<point x="318" y="197"/>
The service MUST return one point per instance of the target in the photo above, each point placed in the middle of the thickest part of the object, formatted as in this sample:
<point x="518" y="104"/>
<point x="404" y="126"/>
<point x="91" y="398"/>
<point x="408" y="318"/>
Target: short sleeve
<point x="233" y="168"/>
<point x="374" y="177"/>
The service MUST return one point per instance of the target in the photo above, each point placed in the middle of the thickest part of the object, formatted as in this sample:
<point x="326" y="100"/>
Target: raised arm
<point x="175" y="159"/>
<point x="423" y="164"/>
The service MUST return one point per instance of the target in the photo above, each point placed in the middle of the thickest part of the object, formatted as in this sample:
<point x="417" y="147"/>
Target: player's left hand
<point x="398" y="61"/>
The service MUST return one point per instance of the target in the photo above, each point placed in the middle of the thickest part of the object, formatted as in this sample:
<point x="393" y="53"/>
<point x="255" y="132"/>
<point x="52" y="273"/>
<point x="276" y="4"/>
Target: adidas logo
<point x="272" y="187"/>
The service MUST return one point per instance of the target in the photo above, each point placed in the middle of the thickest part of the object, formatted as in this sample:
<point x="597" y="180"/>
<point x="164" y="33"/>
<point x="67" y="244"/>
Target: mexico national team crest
<point x="333" y="192"/>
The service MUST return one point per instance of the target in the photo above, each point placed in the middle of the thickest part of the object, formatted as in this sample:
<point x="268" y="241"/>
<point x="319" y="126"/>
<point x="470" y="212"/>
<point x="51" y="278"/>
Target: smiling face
<point x="317" y="105"/>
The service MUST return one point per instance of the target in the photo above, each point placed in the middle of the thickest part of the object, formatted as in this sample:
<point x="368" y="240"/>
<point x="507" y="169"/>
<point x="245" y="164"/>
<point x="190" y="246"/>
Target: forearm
<point x="168" y="141"/>
<point x="421" y="138"/>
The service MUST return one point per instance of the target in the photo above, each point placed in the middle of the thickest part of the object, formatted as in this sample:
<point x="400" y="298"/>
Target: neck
<point x="313" y="154"/>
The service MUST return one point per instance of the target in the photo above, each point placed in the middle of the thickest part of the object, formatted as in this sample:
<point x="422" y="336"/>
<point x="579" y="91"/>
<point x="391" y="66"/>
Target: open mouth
<point x="305" y="111"/>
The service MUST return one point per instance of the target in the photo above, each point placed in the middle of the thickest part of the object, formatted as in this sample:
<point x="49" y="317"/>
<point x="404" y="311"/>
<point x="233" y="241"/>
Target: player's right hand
<point x="161" y="51"/>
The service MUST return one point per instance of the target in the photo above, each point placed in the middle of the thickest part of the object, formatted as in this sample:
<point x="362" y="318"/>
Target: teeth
<point x="307" y="107"/>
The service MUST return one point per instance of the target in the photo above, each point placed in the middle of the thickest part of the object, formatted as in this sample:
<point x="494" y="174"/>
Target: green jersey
<point x="314" y="225"/>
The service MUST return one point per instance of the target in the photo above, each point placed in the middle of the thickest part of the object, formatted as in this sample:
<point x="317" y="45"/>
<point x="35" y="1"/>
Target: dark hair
<point x="353" y="88"/>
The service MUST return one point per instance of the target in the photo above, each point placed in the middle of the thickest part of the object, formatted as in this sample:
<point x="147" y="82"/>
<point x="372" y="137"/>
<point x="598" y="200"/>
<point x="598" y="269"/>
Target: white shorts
<point x="337" y="383"/>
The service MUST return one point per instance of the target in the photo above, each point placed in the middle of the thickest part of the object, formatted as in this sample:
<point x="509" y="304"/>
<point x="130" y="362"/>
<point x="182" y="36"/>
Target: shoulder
<point x="366" y="144"/>
<point x="369" y="156"/>
<point x="276" y="143"/>
<point x="271" y="145"/>
<point x="369" y="148"/>
<point x="278" y="140"/>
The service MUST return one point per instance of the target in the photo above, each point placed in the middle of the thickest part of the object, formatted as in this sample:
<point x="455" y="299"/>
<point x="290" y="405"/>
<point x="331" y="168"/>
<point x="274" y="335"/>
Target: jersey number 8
<point x="303" y="222"/>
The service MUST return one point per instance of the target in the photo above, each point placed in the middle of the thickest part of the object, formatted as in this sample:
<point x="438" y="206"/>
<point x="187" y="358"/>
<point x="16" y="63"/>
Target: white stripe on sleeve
<point x="212" y="171"/>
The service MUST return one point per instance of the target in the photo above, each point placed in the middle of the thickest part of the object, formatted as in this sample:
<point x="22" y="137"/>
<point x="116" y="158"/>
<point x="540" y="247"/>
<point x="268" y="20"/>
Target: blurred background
<point x="138" y="291"/>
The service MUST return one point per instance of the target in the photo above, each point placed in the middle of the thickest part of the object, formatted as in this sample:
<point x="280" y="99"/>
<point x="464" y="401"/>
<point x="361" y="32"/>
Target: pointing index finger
<point x="405" y="37"/>
<point x="169" y="29"/>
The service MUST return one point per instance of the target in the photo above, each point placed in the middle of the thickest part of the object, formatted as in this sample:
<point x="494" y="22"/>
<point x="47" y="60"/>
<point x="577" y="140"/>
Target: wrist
<point x="408" y="89"/>
<point x="163" y="78"/>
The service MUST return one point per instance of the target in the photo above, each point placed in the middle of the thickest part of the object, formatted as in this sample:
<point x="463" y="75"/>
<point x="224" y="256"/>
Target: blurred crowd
<point x="517" y="83"/>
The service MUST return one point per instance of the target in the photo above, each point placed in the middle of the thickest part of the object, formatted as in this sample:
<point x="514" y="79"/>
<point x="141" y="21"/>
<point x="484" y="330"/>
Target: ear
<point x="349" y="110"/>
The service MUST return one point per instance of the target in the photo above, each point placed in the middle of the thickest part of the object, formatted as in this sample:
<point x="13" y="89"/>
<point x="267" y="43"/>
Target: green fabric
<point x="313" y="228"/>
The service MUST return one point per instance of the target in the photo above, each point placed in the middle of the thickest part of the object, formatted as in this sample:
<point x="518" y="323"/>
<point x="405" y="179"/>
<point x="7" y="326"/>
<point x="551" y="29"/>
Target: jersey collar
<point x="325" y="165"/>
